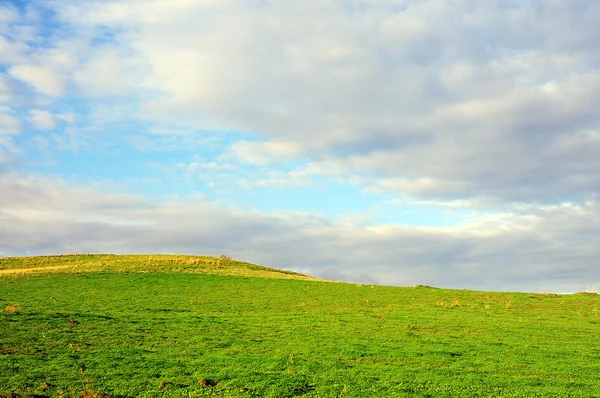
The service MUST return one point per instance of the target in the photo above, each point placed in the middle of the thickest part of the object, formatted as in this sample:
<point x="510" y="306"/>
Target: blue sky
<point x="384" y="141"/>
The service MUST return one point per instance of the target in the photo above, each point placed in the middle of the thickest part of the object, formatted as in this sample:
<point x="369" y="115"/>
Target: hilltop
<point x="80" y="263"/>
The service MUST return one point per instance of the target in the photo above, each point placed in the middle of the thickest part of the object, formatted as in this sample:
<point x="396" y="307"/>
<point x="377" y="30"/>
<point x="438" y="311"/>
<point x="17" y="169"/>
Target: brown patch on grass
<point x="208" y="383"/>
<point x="20" y="271"/>
<point x="90" y="394"/>
<point x="45" y="385"/>
<point x="163" y="384"/>
<point x="85" y="394"/>
<point x="9" y="350"/>
<point x="12" y="308"/>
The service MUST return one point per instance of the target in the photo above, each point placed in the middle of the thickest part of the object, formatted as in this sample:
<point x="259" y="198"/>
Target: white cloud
<point x="10" y="126"/>
<point x="454" y="204"/>
<point x="106" y="72"/>
<point x="69" y="140"/>
<point x="278" y="179"/>
<point x="420" y="187"/>
<point x="8" y="15"/>
<point x="263" y="153"/>
<point x="67" y="117"/>
<point x="42" y="120"/>
<point x="7" y="89"/>
<point x="9" y="123"/>
<point x="12" y="52"/>
<point x="43" y="78"/>
<point x="24" y="33"/>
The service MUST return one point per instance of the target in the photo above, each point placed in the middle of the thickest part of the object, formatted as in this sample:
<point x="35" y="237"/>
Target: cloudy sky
<point x="448" y="143"/>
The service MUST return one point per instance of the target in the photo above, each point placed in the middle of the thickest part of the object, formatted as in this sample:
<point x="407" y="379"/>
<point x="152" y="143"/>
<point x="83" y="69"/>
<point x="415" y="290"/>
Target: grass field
<point x="128" y="326"/>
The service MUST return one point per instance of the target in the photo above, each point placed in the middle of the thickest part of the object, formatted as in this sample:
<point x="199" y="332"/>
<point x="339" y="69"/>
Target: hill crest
<point x="79" y="263"/>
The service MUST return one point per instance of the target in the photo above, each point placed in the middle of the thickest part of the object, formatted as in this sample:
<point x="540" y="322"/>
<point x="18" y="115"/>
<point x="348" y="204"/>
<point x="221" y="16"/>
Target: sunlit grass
<point x="84" y="263"/>
<point x="125" y="330"/>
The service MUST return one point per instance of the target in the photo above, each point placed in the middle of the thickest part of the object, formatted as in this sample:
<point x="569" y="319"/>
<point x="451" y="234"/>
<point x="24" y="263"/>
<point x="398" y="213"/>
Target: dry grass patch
<point x="12" y="308"/>
<point x="85" y="263"/>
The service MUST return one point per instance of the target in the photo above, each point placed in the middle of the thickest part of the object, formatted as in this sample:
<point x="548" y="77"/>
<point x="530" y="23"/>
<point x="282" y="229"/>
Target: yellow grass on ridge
<point x="79" y="263"/>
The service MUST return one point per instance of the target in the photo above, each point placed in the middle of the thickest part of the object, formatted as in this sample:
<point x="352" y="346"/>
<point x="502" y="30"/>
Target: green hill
<point x="150" y="326"/>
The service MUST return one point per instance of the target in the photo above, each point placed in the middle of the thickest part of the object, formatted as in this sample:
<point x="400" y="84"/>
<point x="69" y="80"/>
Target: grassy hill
<point x="83" y="263"/>
<point x="127" y="326"/>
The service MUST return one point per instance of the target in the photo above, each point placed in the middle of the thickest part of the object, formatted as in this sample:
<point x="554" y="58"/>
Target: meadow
<point x="153" y="326"/>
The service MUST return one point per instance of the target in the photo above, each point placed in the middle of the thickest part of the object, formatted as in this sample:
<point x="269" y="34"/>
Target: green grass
<point x="125" y="331"/>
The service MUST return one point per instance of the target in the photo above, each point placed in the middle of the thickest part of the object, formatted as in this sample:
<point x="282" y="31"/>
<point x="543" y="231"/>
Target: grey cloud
<point x="552" y="249"/>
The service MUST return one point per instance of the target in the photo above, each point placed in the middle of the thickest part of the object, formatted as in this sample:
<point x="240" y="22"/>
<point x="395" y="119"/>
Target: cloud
<point x="11" y="52"/>
<point x="533" y="249"/>
<point x="9" y="123"/>
<point x="279" y="179"/>
<point x="43" y="78"/>
<point x="7" y="89"/>
<point x="41" y="120"/>
<point x="107" y="72"/>
<point x="428" y="98"/>
<point x="8" y="15"/>
<point x="69" y="139"/>
<point x="263" y="153"/>
<point x="10" y="126"/>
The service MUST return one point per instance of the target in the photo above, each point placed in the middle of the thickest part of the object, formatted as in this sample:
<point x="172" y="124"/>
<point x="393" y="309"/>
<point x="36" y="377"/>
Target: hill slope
<point x="151" y="334"/>
<point x="78" y="263"/>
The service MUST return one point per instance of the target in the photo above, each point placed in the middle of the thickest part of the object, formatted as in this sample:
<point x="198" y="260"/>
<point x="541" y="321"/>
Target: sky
<point x="399" y="142"/>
